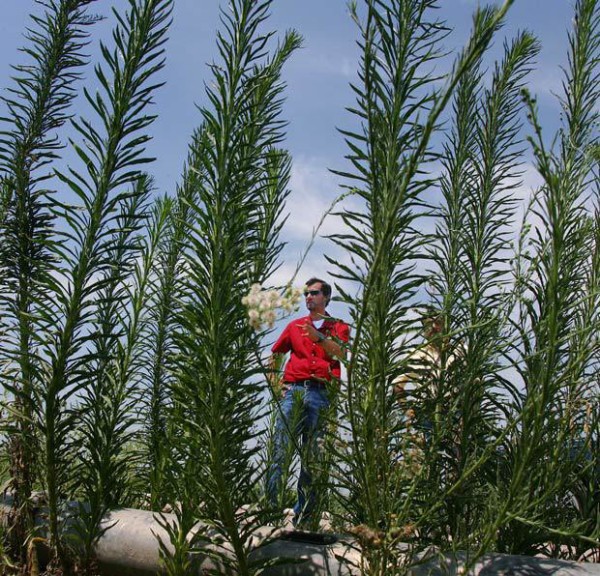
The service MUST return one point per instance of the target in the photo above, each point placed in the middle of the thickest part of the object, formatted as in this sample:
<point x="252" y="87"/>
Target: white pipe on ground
<point x="129" y="547"/>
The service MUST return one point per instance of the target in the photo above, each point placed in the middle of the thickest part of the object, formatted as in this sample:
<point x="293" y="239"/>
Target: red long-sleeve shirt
<point x="308" y="360"/>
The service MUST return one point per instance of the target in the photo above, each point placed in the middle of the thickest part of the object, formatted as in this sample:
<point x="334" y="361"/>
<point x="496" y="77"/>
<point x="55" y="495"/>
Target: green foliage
<point x="130" y="373"/>
<point x="558" y="308"/>
<point x="74" y="307"/>
<point x="482" y="163"/>
<point x="108" y="189"/>
<point x="397" y="42"/>
<point x="399" y="110"/>
<point x="159" y="348"/>
<point x="107" y="407"/>
<point x="37" y="106"/>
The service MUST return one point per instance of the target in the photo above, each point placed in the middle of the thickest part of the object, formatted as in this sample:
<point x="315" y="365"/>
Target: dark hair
<point x="325" y="288"/>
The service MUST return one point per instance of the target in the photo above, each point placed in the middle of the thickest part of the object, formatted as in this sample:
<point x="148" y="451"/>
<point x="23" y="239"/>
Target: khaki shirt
<point x="425" y="370"/>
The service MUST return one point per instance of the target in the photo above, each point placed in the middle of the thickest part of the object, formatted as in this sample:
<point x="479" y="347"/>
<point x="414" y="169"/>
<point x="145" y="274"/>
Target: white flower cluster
<point x="263" y="304"/>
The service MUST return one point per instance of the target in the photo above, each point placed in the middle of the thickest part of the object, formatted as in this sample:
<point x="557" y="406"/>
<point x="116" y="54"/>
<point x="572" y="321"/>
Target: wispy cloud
<point x="314" y="189"/>
<point x="547" y="83"/>
<point x="328" y="64"/>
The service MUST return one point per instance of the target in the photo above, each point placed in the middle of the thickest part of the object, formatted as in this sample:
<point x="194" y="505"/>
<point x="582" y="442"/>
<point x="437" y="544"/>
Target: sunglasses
<point x="311" y="292"/>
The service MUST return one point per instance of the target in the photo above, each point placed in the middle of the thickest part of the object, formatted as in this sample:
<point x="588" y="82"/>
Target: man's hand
<point x="311" y="332"/>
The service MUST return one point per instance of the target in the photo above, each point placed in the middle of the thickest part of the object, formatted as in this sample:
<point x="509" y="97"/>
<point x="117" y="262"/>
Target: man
<point x="425" y="388"/>
<point x="425" y="363"/>
<point x="315" y="345"/>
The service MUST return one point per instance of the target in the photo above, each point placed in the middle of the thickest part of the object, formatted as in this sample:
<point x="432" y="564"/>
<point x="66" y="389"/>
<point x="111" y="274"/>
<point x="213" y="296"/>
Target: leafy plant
<point x="131" y="374"/>
<point x="37" y="107"/>
<point x="231" y="243"/>
<point x="159" y="348"/>
<point x="557" y="321"/>
<point x="399" y="110"/>
<point x="69" y="297"/>
<point x="472" y="242"/>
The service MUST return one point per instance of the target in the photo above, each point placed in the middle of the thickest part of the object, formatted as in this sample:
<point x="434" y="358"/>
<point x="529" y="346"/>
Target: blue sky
<point x="318" y="79"/>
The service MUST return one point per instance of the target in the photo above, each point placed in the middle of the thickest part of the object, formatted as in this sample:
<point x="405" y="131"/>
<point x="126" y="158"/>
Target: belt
<point x="308" y="383"/>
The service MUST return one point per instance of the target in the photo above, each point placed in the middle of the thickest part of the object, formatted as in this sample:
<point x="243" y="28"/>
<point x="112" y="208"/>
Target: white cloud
<point x="531" y="181"/>
<point x="314" y="189"/>
<point x="329" y="64"/>
<point x="547" y="83"/>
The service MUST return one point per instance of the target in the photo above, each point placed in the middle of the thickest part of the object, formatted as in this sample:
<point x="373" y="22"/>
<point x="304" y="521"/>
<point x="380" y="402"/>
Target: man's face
<point x="432" y="327"/>
<point x="315" y="300"/>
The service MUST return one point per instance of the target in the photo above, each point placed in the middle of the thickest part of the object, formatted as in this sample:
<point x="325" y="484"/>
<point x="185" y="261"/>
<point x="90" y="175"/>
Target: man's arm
<point x="283" y="343"/>
<point x="331" y="347"/>
<point x="274" y="374"/>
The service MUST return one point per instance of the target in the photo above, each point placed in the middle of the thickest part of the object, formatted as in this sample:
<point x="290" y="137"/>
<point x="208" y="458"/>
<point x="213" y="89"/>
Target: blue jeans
<point x="304" y="423"/>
